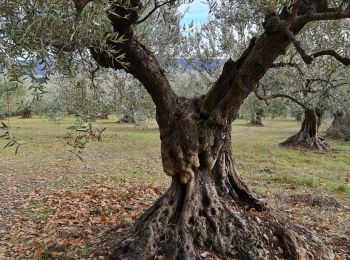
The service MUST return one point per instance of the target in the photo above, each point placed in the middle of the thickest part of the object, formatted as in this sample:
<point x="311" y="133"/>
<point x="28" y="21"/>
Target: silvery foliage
<point x="237" y="21"/>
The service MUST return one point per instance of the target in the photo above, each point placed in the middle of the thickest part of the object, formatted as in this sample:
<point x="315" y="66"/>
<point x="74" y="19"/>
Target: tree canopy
<point x="205" y="208"/>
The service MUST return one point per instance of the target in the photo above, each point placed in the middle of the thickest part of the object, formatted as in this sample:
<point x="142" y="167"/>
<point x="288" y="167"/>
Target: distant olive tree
<point x="310" y="89"/>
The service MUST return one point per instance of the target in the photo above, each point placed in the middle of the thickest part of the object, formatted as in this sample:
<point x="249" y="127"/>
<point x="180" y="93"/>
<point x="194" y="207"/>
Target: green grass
<point x="264" y="163"/>
<point x="132" y="154"/>
<point x="342" y="188"/>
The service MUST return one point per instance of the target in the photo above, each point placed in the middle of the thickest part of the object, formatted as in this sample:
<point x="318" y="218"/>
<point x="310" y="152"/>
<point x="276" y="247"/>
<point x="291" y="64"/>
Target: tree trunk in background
<point x="308" y="137"/>
<point x="127" y="119"/>
<point x="257" y="120"/>
<point x="103" y="115"/>
<point x="26" y="113"/>
<point x="208" y="209"/>
<point x="336" y="128"/>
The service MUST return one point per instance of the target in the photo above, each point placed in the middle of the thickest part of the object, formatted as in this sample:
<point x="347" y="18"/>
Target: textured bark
<point x="214" y="211"/>
<point x="336" y="130"/>
<point x="308" y="137"/>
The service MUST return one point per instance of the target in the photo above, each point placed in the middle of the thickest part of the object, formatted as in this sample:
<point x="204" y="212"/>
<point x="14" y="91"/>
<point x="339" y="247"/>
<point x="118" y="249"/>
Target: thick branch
<point x="302" y="19"/>
<point x="224" y="82"/>
<point x="141" y="63"/>
<point x="337" y="56"/>
<point x="295" y="9"/>
<point x="280" y="31"/>
<point x="308" y="59"/>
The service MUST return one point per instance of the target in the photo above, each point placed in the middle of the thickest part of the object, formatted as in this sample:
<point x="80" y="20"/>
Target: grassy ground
<point x="55" y="206"/>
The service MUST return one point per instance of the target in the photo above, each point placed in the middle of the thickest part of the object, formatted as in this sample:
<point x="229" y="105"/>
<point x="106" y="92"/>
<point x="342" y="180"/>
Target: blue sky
<point x="197" y="12"/>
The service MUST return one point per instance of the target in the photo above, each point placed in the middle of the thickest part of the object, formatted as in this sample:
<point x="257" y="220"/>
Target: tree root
<point x="302" y="140"/>
<point x="191" y="221"/>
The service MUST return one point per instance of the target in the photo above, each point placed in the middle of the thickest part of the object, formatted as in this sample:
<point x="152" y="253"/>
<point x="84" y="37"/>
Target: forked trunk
<point x="208" y="209"/>
<point x="308" y="137"/>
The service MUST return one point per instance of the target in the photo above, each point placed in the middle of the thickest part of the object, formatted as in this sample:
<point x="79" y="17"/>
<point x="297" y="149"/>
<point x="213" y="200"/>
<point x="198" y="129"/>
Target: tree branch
<point x="288" y="64"/>
<point x="156" y="6"/>
<point x="333" y="53"/>
<point x="141" y="62"/>
<point x="337" y="15"/>
<point x="279" y="96"/>
<point x="295" y="9"/>
<point x="308" y="59"/>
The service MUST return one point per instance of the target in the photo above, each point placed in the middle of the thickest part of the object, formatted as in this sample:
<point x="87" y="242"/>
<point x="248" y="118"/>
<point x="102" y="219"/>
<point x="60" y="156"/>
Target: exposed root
<point x="192" y="219"/>
<point x="308" y="136"/>
<point x="304" y="141"/>
<point x="208" y="208"/>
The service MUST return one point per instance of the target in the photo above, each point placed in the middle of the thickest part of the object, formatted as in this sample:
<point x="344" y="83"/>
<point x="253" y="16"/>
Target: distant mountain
<point x="200" y="63"/>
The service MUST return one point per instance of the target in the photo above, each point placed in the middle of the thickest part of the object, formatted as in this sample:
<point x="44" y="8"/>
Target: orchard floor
<point x="55" y="206"/>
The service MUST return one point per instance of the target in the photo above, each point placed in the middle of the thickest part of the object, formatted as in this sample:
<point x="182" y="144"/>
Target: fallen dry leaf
<point x="38" y="252"/>
<point x="209" y="256"/>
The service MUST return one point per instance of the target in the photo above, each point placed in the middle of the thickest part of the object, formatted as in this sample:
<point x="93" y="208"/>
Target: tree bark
<point x="337" y="127"/>
<point x="214" y="211"/>
<point x="308" y="137"/>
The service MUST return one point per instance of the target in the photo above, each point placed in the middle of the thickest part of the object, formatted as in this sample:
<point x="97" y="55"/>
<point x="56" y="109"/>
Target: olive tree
<point x="338" y="107"/>
<point x="310" y="89"/>
<point x="208" y="206"/>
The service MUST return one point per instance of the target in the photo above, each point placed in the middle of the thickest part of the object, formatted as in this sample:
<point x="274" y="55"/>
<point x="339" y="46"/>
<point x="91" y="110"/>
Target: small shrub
<point x="306" y="182"/>
<point x="342" y="188"/>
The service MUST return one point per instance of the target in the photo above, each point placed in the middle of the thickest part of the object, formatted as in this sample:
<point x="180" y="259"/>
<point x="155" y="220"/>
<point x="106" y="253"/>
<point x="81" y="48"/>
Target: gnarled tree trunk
<point x="208" y="208"/>
<point x="308" y="137"/>
<point x="336" y="128"/>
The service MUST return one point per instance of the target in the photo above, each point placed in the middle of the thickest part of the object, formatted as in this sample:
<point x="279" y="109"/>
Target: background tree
<point x="207" y="205"/>
<point x="310" y="91"/>
<point x="338" y="104"/>
<point x="254" y="110"/>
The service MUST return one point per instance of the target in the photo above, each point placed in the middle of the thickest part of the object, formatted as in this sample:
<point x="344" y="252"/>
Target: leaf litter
<point x="69" y="224"/>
